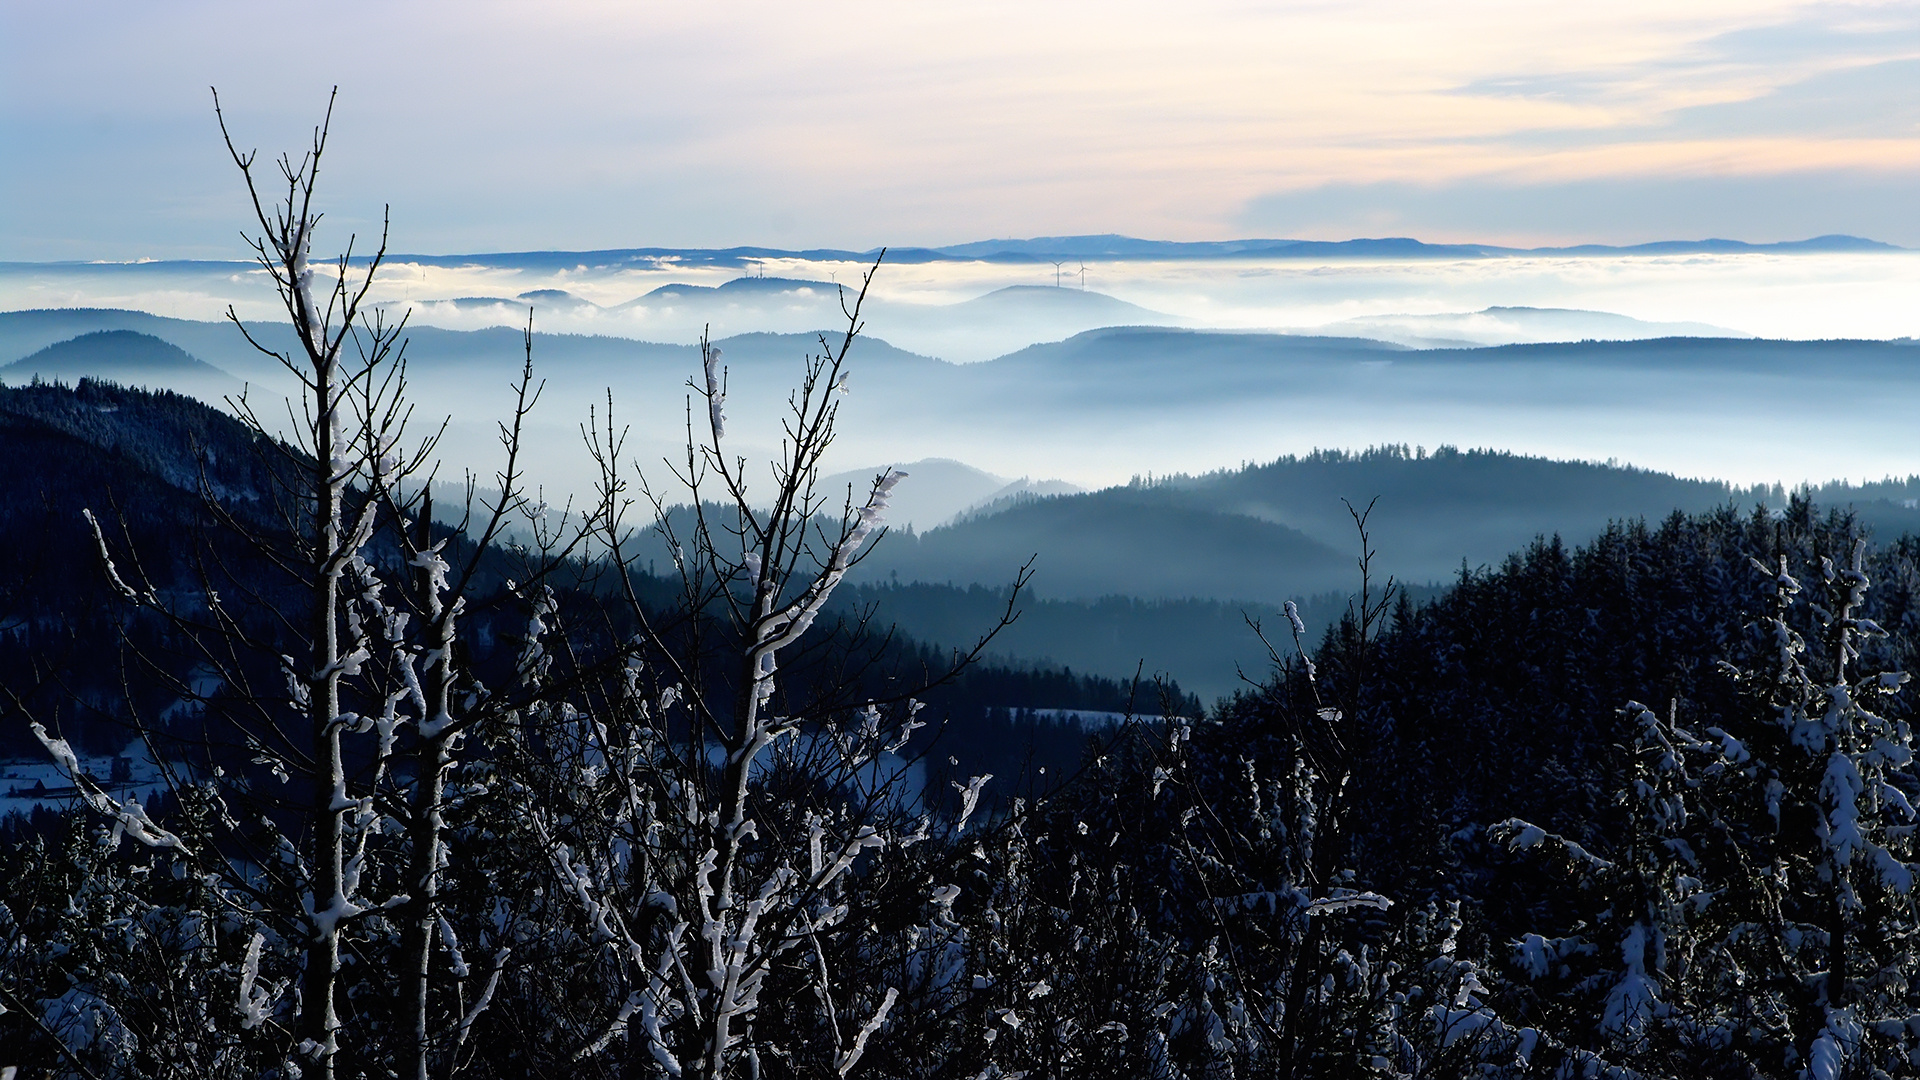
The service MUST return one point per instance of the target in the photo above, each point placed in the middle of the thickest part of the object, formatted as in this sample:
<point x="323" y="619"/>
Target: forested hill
<point x="1641" y="806"/>
<point x="1654" y="792"/>
<point x="168" y="436"/>
<point x="1282" y="530"/>
<point x="160" y="471"/>
<point x="123" y="356"/>
<point x="1156" y="576"/>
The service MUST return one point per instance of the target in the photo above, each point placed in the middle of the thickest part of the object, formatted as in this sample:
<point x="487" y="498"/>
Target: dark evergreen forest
<point x="1641" y="807"/>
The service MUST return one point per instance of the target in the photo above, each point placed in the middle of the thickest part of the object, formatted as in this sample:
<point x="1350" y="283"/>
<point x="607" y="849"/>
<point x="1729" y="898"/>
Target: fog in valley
<point x="1100" y="410"/>
<point x="714" y="543"/>
<point x="1012" y="401"/>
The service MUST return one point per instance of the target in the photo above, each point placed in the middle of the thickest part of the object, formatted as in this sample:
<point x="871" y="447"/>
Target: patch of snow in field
<point x="27" y="783"/>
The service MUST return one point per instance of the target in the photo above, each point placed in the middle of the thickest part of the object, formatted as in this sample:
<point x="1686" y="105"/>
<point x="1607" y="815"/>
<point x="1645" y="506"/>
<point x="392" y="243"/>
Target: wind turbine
<point x="1083" y="275"/>
<point x="1056" y="272"/>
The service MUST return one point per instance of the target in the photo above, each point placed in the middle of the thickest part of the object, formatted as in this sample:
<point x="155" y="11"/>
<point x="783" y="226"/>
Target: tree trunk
<point x="319" y="1017"/>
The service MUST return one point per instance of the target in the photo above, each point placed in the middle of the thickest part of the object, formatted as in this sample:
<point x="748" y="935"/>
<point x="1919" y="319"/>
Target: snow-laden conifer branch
<point x="1519" y="835"/>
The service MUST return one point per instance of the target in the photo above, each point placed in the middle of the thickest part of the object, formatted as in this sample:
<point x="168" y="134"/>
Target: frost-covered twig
<point x="129" y="817"/>
<point x="485" y="999"/>
<point x="852" y="1055"/>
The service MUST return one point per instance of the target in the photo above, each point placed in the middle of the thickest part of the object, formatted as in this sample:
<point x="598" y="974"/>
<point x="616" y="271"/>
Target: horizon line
<point x="1111" y="247"/>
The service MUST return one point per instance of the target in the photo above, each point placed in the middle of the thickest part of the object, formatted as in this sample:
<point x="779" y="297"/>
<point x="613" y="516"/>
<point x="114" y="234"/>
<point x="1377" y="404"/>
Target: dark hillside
<point x="129" y="456"/>
<point x="170" y="436"/>
<point x="1449" y="847"/>
<point x="1621" y="888"/>
<point x="1282" y="530"/>
<point x="1441" y="507"/>
<point x="1268" y="533"/>
<point x="147" y="463"/>
<point x="1204" y="645"/>
<point x="1122" y="541"/>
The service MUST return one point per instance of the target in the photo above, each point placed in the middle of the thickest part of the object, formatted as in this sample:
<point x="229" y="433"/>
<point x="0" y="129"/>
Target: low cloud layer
<point x="1109" y="404"/>
<point x="1613" y="209"/>
<point x="960" y="311"/>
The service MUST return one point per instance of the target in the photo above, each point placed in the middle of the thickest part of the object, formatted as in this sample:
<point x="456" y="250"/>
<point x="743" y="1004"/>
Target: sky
<point x="844" y="123"/>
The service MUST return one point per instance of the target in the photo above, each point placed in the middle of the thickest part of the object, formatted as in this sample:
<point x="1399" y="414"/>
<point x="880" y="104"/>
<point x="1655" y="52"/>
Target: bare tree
<point x="742" y="812"/>
<point x="324" y="796"/>
<point x="727" y="841"/>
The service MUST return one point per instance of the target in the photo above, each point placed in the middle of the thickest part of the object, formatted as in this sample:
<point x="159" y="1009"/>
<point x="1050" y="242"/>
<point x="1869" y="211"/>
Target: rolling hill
<point x="128" y="357"/>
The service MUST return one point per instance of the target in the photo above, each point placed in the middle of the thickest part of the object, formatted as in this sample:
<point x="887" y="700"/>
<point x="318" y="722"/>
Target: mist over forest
<point x="959" y="541"/>
<point x="987" y="444"/>
<point x="1412" y="692"/>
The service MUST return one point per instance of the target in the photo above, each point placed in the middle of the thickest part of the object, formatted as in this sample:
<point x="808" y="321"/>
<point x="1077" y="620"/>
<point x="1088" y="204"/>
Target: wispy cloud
<point x="593" y="124"/>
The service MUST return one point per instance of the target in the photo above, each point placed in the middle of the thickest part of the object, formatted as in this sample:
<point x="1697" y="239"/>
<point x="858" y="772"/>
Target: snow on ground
<point x="1088" y="719"/>
<point x="31" y="782"/>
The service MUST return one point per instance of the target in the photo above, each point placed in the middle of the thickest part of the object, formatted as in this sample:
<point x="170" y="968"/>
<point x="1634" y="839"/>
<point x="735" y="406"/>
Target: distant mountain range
<point x="1278" y="531"/>
<point x="1007" y="319"/>
<point x="1160" y="569"/>
<point x="1261" y="534"/>
<point x="1166" y="572"/>
<point x="969" y="331"/>
<point x="1397" y="247"/>
<point x="1114" y="247"/>
<point x="1106" y="247"/>
<point x="1113" y="401"/>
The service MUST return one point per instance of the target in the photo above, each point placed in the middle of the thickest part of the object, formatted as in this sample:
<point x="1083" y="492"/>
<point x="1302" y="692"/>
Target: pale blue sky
<point x="494" y="126"/>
